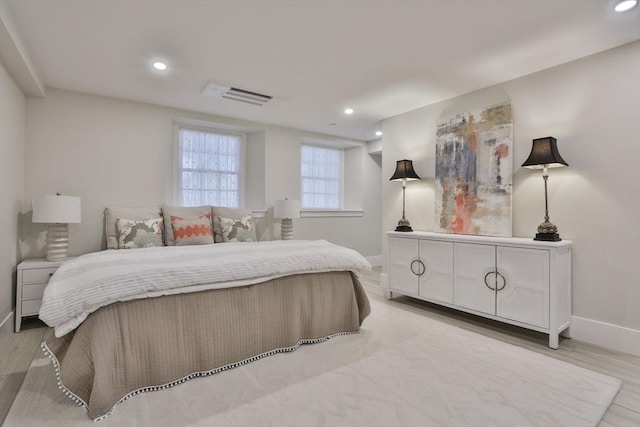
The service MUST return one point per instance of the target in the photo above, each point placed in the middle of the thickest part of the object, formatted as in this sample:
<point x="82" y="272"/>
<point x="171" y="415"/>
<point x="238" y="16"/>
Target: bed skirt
<point x="148" y="344"/>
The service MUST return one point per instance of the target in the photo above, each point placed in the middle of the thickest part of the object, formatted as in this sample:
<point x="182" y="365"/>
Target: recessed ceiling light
<point x="348" y="111"/>
<point x="624" y="5"/>
<point x="160" y="66"/>
<point x="379" y="133"/>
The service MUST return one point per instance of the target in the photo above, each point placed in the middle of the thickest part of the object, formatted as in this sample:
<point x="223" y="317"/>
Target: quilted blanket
<point x="83" y="285"/>
<point x="151" y="344"/>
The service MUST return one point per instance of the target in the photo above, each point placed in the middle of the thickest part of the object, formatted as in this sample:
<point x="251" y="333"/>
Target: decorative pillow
<point x="139" y="234"/>
<point x="193" y="231"/>
<point x="183" y="212"/>
<point x="237" y="229"/>
<point x="111" y="215"/>
<point x="220" y="212"/>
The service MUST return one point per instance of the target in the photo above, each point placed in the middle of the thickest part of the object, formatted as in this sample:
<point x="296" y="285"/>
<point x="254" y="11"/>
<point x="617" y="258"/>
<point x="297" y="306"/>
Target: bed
<point x="128" y="322"/>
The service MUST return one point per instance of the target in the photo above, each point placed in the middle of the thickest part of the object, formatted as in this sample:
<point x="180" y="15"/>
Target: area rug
<point x="402" y="369"/>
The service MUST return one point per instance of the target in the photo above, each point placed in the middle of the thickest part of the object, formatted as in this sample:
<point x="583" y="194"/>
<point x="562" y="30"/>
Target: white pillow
<point x="230" y="213"/>
<point x="139" y="234"/>
<point x="111" y="214"/>
<point x="237" y="229"/>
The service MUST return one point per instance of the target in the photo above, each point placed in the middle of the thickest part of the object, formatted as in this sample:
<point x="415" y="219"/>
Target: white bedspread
<point x="84" y="284"/>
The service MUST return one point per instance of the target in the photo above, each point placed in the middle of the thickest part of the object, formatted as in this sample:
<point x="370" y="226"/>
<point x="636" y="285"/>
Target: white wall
<point x="282" y="180"/>
<point x="116" y="152"/>
<point x="591" y="107"/>
<point x="12" y="127"/>
<point x="255" y="185"/>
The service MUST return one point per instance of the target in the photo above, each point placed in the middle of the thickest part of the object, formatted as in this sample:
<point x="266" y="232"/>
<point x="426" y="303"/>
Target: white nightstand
<point x="33" y="276"/>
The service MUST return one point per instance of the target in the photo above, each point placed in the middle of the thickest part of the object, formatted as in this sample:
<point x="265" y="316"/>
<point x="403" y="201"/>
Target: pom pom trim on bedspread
<point x="83" y="404"/>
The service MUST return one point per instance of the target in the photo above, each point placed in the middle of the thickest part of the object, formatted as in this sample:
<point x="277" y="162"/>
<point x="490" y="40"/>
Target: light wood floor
<point x="18" y="350"/>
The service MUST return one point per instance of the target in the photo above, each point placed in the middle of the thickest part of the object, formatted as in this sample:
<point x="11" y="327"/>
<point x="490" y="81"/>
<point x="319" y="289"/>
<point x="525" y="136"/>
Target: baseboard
<point x="260" y="214"/>
<point x="375" y="260"/>
<point x="7" y="324"/>
<point x="606" y="335"/>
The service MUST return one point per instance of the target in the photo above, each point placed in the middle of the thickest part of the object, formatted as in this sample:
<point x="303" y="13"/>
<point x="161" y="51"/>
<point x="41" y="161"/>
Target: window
<point x="209" y="168"/>
<point x="321" y="177"/>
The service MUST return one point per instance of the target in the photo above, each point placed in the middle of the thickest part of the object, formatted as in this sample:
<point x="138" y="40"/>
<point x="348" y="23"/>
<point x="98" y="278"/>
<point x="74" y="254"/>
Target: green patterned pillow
<point x="139" y="234"/>
<point x="237" y="229"/>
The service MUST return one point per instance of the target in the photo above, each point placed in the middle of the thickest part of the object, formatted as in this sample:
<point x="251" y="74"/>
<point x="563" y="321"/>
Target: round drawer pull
<point x="504" y="281"/>
<point x="485" y="280"/>
<point x="421" y="267"/>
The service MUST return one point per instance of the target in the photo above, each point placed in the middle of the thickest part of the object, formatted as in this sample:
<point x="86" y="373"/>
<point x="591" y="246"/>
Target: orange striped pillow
<point x="192" y="231"/>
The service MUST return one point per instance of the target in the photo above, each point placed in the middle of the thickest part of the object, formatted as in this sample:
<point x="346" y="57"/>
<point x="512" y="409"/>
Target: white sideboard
<point x="514" y="280"/>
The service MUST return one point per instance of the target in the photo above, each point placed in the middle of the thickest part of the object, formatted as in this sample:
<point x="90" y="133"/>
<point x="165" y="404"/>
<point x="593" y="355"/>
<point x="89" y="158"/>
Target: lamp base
<point x="547" y="232"/>
<point x="57" y="242"/>
<point x="548" y="237"/>
<point x="286" y="229"/>
<point x="403" y="225"/>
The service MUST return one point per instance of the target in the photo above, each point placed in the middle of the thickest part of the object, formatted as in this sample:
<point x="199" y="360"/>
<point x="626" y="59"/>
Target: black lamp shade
<point x="404" y="170"/>
<point x="544" y="153"/>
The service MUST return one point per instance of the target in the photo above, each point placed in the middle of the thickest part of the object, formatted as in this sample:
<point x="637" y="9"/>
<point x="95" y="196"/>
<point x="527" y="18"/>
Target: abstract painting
<point x="473" y="172"/>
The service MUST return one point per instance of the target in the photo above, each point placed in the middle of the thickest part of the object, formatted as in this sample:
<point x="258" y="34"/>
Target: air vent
<point x="235" y="94"/>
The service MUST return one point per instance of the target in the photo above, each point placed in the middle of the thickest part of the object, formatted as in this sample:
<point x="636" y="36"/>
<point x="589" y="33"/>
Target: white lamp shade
<point x="286" y="208"/>
<point x="56" y="209"/>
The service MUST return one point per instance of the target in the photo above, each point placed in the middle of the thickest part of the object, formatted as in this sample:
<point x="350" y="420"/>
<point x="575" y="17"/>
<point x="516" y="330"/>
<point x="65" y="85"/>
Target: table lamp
<point x="544" y="155"/>
<point x="286" y="210"/>
<point x="57" y="211"/>
<point x="404" y="172"/>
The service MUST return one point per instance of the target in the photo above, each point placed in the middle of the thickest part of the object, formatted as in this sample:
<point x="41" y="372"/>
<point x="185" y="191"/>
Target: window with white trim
<point x="321" y="177"/>
<point x="209" y="168"/>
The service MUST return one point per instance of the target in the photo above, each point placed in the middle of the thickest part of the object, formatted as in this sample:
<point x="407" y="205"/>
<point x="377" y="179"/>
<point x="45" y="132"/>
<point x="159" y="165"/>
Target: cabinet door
<point x="436" y="283"/>
<point x="525" y="296"/>
<point x="402" y="252"/>
<point x="474" y="277"/>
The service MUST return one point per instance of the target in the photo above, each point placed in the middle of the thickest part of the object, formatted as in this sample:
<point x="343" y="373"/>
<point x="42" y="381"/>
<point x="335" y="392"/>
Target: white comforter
<point x="83" y="285"/>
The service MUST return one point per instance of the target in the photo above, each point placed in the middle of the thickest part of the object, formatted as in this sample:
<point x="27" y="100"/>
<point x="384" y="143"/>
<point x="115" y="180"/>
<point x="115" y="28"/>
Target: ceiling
<point x="381" y="58"/>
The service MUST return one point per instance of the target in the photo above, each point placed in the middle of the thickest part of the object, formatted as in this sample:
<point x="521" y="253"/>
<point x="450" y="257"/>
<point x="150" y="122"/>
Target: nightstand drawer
<point x="33" y="277"/>
<point x="31" y="307"/>
<point x="37" y="275"/>
<point x="33" y="291"/>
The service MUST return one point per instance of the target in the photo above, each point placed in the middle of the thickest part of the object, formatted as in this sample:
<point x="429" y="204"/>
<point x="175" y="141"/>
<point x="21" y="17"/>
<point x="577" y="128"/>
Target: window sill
<point x="259" y="214"/>
<point x="321" y="213"/>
